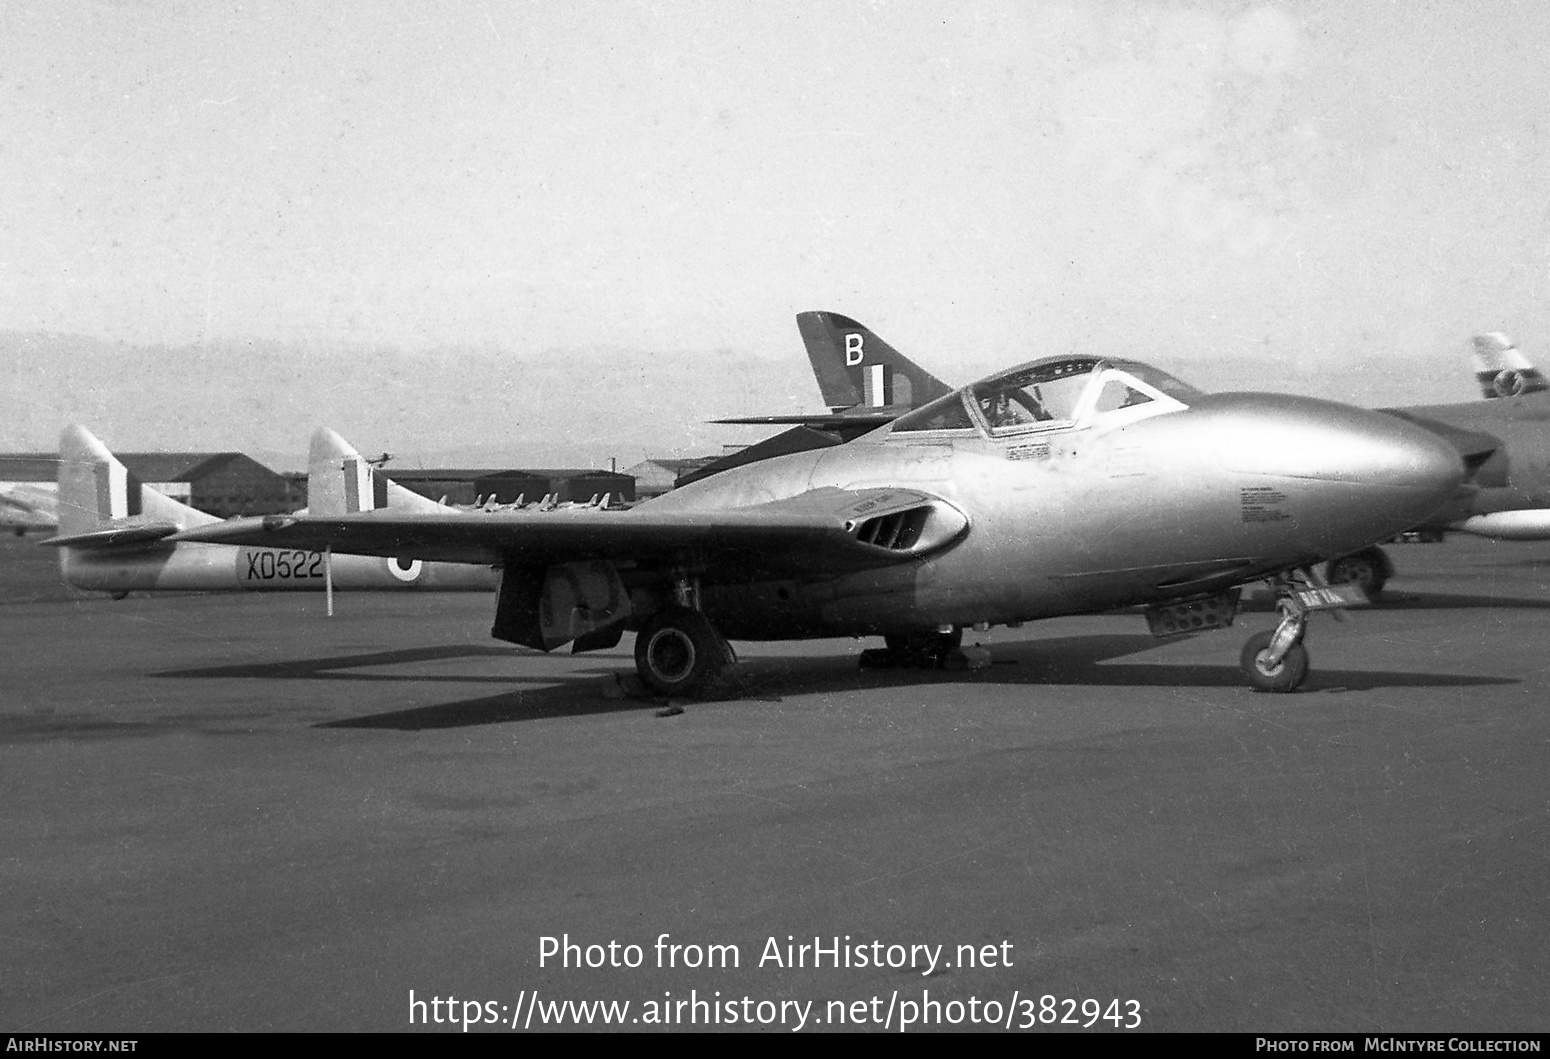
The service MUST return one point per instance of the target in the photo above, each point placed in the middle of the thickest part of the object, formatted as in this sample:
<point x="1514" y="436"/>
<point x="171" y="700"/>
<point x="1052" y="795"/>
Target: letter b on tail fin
<point x="856" y="368"/>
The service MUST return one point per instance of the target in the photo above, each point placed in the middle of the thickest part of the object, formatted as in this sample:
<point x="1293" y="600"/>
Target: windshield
<point x="945" y="413"/>
<point x="1161" y="380"/>
<point x="1055" y="392"/>
<point x="1042" y="393"/>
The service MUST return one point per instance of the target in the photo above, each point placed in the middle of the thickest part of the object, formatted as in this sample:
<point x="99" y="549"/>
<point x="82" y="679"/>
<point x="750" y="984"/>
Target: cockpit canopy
<point x="1059" y="392"/>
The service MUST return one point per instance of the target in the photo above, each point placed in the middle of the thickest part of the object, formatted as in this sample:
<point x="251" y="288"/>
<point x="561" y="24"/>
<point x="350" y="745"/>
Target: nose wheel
<point x="1277" y="661"/>
<point x="1271" y="669"/>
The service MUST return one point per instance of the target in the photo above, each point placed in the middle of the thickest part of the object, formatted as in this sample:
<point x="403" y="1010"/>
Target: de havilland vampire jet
<point x="1069" y="485"/>
<point x="115" y="534"/>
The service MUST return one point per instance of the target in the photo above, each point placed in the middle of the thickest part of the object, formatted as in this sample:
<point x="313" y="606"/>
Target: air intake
<point x="912" y="527"/>
<point x="898" y="532"/>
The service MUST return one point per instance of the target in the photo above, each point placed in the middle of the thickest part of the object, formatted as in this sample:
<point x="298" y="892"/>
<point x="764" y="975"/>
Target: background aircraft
<point x="1502" y="370"/>
<point x="115" y="533"/>
<point x="1069" y="485"/>
<point x="1505" y="438"/>
<point x="865" y="382"/>
<point x="29" y="506"/>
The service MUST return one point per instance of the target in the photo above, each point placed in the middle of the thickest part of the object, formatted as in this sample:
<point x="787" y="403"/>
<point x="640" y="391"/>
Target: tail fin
<point x="340" y="481"/>
<point x="98" y="494"/>
<point x="1502" y="370"/>
<point x="855" y="367"/>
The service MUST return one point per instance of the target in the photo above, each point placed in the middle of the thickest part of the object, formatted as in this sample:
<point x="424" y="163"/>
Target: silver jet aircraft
<point x="1068" y="485"/>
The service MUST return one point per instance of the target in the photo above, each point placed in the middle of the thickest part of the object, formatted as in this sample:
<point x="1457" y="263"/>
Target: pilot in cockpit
<point x="1012" y="407"/>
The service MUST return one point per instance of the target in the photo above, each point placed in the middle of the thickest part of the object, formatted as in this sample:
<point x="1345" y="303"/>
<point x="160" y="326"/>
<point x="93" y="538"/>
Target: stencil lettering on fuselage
<point x="1261" y="503"/>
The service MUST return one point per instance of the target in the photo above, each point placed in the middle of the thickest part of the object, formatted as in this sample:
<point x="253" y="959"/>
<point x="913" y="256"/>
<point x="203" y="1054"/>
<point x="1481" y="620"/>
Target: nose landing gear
<point x="1277" y="661"/>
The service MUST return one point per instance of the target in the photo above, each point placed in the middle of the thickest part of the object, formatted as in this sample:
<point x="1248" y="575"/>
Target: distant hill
<point x="453" y="405"/>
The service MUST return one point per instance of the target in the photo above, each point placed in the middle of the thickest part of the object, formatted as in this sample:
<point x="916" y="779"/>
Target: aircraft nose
<point x="1396" y="473"/>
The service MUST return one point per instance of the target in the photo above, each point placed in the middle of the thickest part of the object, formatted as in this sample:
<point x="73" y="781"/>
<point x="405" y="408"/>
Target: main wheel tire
<point x="1287" y="676"/>
<point x="1366" y="568"/>
<point x="679" y="653"/>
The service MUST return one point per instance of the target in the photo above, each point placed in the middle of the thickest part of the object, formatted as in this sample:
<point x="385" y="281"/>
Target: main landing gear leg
<point x="679" y="653"/>
<point x="1277" y="660"/>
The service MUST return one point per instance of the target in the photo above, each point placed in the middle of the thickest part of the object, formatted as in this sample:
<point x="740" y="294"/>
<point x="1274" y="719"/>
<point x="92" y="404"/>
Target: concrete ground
<point x="230" y="812"/>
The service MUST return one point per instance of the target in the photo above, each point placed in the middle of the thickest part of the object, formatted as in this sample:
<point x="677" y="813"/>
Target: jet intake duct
<point x="913" y="524"/>
<point x="895" y="532"/>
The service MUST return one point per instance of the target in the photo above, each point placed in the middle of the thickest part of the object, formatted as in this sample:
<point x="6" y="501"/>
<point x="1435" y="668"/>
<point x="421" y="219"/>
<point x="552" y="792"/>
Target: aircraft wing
<point x="825" y="530"/>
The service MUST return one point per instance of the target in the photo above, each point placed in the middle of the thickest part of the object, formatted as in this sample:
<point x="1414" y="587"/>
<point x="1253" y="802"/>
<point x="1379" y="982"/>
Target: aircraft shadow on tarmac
<point x="344" y="667"/>
<point x="570" y="697"/>
<point x="1077" y="660"/>
<point x="1457" y="601"/>
<point x="610" y="688"/>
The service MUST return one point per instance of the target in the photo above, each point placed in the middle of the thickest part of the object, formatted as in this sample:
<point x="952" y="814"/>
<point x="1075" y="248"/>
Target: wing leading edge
<point x="824" y="531"/>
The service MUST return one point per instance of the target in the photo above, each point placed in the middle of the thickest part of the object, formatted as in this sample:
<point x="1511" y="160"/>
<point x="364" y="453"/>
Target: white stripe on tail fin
<point x="855" y="367"/>
<point x="97" y="492"/>
<point x="340" y="481"/>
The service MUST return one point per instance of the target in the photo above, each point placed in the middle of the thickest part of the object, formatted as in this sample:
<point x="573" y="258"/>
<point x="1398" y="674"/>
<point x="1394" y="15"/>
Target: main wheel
<point x="1287" y="676"/>
<point x="1367" y="568"/>
<point x="679" y="653"/>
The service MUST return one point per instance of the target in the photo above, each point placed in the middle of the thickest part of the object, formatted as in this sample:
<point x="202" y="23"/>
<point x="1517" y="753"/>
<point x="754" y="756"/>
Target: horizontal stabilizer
<point x="141" y="533"/>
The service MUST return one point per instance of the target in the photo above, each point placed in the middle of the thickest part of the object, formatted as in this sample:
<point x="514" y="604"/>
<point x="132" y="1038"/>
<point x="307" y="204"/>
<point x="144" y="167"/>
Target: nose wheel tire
<point x="1287" y="675"/>
<point x="678" y="653"/>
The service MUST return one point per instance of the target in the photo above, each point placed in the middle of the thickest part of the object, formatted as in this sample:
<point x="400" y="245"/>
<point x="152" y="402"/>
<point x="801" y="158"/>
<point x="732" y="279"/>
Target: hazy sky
<point x="1327" y="197"/>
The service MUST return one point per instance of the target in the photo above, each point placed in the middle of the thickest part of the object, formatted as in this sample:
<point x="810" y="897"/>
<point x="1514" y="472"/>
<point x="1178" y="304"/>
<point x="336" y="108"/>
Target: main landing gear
<point x="679" y="654"/>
